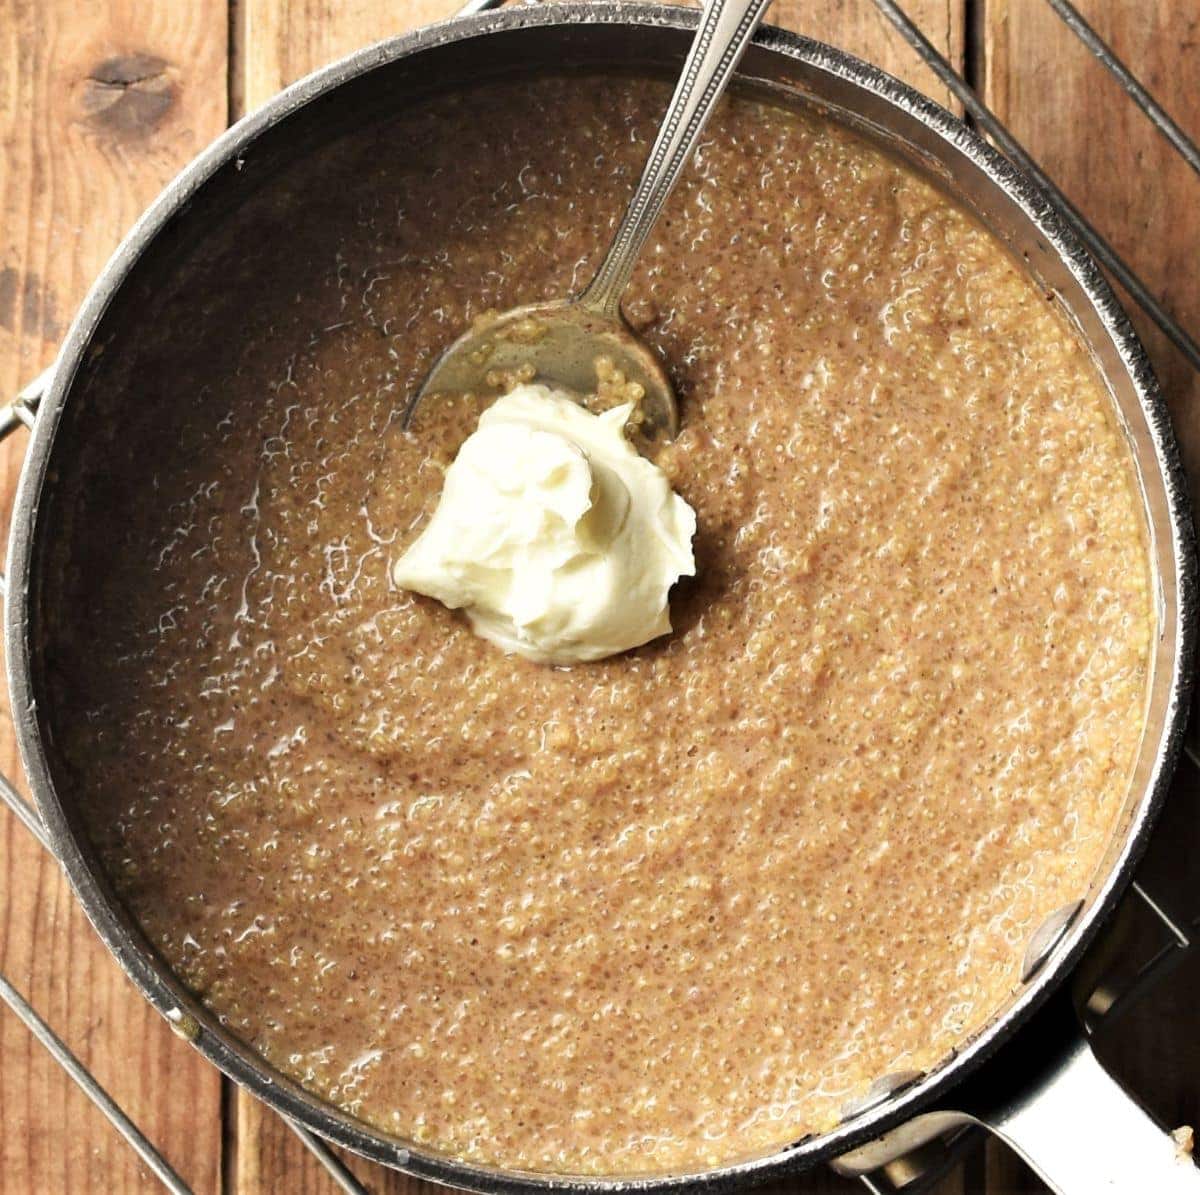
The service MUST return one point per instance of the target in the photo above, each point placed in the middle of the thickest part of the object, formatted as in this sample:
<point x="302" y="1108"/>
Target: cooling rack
<point x="1110" y="1000"/>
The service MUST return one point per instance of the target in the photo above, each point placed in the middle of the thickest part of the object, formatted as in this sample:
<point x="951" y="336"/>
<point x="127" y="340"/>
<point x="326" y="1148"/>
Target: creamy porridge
<point x="669" y="908"/>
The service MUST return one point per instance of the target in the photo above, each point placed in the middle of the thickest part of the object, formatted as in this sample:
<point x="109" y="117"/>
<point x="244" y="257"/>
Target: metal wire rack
<point x="1108" y="1001"/>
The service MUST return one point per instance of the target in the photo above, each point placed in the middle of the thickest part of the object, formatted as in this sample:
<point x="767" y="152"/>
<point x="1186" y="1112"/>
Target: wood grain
<point x="100" y="104"/>
<point x="285" y="39"/>
<point x="281" y="40"/>
<point x="856" y="26"/>
<point x="1075" y="120"/>
<point x="1106" y="155"/>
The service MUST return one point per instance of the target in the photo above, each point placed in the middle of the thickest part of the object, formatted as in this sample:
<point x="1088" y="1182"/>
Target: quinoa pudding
<point x="668" y="909"/>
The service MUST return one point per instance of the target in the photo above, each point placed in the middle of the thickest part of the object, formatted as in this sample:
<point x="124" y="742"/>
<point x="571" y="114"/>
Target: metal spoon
<point x="563" y="340"/>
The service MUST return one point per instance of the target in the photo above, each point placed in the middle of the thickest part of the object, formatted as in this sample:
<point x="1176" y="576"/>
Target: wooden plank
<point x="1105" y="154"/>
<point x="856" y="26"/>
<point x="276" y="42"/>
<point x="1112" y="163"/>
<point x="100" y="104"/>
<point x="289" y="38"/>
<point x="285" y="39"/>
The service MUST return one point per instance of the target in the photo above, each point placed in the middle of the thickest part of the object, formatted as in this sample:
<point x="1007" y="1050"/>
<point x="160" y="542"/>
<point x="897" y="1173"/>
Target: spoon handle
<point x="725" y="29"/>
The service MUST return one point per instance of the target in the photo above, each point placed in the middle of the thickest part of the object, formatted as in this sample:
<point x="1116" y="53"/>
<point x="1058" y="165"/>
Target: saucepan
<point x="1064" y="1113"/>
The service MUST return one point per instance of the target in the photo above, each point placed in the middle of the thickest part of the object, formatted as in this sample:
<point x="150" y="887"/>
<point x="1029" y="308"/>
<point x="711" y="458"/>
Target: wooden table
<point x="100" y="104"/>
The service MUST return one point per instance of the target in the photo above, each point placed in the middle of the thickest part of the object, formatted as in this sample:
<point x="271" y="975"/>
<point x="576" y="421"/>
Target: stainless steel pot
<point x="1064" y="1113"/>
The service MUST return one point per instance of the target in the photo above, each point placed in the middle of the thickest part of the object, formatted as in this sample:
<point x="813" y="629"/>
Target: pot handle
<point x="1048" y="1097"/>
<point x="1084" y="1134"/>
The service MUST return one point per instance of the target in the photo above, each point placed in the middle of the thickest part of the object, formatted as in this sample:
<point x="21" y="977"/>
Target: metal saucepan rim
<point x="135" y="955"/>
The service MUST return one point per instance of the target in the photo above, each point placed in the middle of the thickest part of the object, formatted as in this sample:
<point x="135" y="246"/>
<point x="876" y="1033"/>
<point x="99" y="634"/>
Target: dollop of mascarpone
<point x="558" y="540"/>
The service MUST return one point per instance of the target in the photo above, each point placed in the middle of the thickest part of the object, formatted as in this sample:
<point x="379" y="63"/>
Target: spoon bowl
<point x="565" y="344"/>
<point x="584" y="345"/>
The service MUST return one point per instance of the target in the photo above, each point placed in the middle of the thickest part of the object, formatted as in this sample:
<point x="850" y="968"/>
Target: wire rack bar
<point x="1103" y="53"/>
<point x="26" y="814"/>
<point x="1016" y="152"/>
<point x="86" y="1082"/>
<point x="337" y="1169"/>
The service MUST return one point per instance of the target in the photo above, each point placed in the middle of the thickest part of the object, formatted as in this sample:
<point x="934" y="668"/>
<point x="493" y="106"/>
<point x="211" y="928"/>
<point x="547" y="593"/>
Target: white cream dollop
<point x="558" y="540"/>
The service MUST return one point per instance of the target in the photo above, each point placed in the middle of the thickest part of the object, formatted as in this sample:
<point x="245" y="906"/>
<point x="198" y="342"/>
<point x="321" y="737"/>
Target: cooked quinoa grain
<point x="677" y="906"/>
